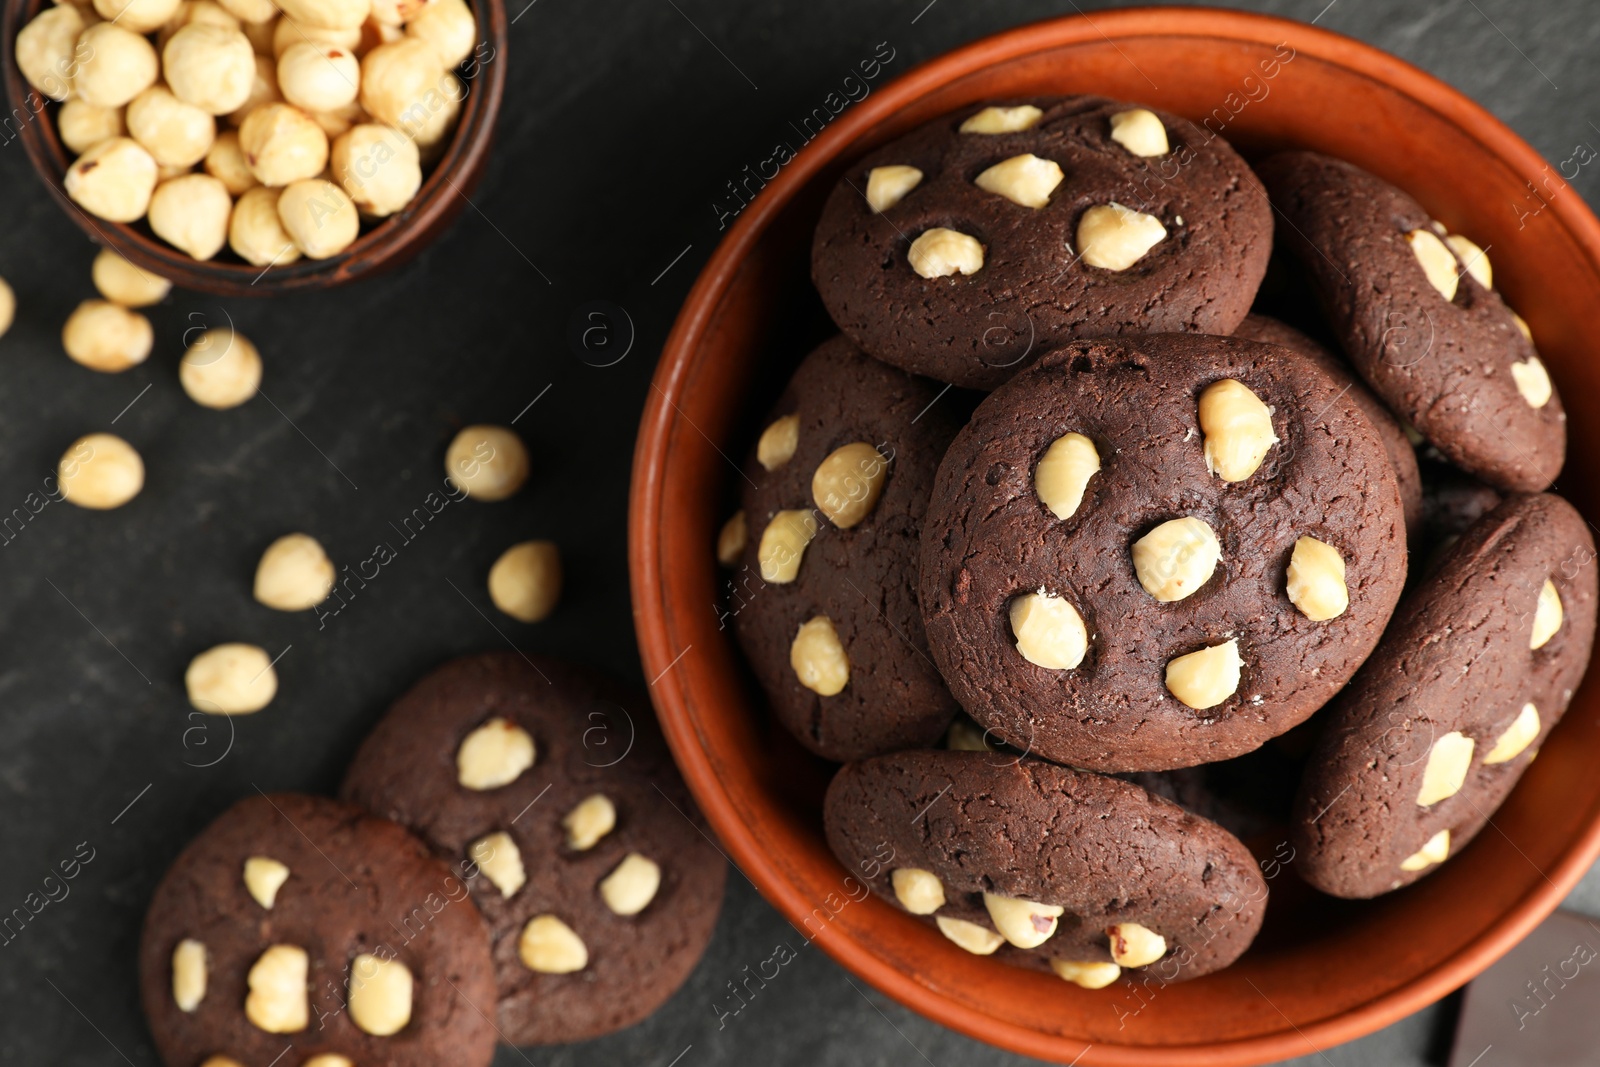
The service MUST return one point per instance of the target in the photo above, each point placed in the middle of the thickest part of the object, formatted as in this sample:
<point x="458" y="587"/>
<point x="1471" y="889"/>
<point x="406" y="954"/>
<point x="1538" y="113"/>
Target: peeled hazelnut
<point x="939" y="253"/>
<point x="448" y="26"/>
<point x="1176" y="558"/>
<point x="191" y="213"/>
<point x="1049" y="631"/>
<point x="1064" y="472"/>
<point x="395" y="80"/>
<point x="1089" y="975"/>
<point x="114" y="65"/>
<point x="1316" y="582"/>
<point x="1140" y="131"/>
<point x="325" y="1059"/>
<point x="591" y="819"/>
<point x="294" y="574"/>
<point x="1437" y="262"/>
<point x="887" y="186"/>
<point x="498" y="857"/>
<point x="1437" y="850"/>
<point x="848" y="483"/>
<point x="1522" y="325"/>
<point x="8" y="307"/>
<point x="229" y="1061"/>
<point x="1473" y="259"/>
<point x="1449" y="759"/>
<point x="318" y="77"/>
<point x="1003" y="119"/>
<point x="920" y="892"/>
<point x="100" y="471"/>
<point x="1237" y="428"/>
<point x="104" y="337"/>
<point x="188" y="974"/>
<point x="1024" y="923"/>
<point x="783" y="544"/>
<point x="1026" y="180"/>
<point x="818" y="658"/>
<point x="263" y="877"/>
<point x="486" y="462"/>
<point x="380" y="995"/>
<point x="778" y="442"/>
<point x="256" y="233"/>
<point x="331" y="14"/>
<point x="123" y="283"/>
<point x="549" y="946"/>
<point x="193" y="11"/>
<point x="1547" y="615"/>
<point x="965" y="735"/>
<point x="225" y="162"/>
<point x="1516" y="738"/>
<point x="1114" y="237"/>
<point x="175" y="134"/>
<point x="1205" y="678"/>
<point x="731" y="539"/>
<point x="83" y="125"/>
<point x="289" y="32"/>
<point x="630" y="888"/>
<point x="525" y="582"/>
<point x="137" y="16"/>
<point x="494" y="755"/>
<point x="378" y="166"/>
<point x="978" y="940"/>
<point x="319" y="216"/>
<point x="1532" y="381"/>
<point x="277" y="1001"/>
<point x="430" y="120"/>
<point x="113" y="180"/>
<point x="1133" y="945"/>
<point x="221" y="369"/>
<point x="263" y="90"/>
<point x="210" y="66"/>
<point x="282" y="145"/>
<point x="47" y="49"/>
<point x="231" y="679"/>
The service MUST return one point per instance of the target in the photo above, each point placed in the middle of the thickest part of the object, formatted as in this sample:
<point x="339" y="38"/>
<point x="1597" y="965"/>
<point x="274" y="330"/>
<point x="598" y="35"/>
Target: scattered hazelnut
<point x="1089" y="975"/>
<point x="138" y="16"/>
<point x="225" y="162"/>
<point x="1140" y="131"/>
<point x="1003" y="119"/>
<point x="1532" y="381"/>
<point x="191" y="214"/>
<point x="1437" y="261"/>
<point x="319" y="216"/>
<point x="1205" y="678"/>
<point x="591" y="819"/>
<point x="978" y="940"/>
<point x="1133" y="945"/>
<point x="188" y="974"/>
<point x="494" y="755"/>
<point x="283" y="144"/>
<point x="83" y="125"/>
<point x="114" y="65"/>
<point x="1437" y="850"/>
<point x="1316" y="582"/>
<point x="783" y="545"/>
<point x="1237" y="428"/>
<point x="379" y="168"/>
<point x="1176" y="558"/>
<point x="818" y="658"/>
<point x="47" y="50"/>
<point x="887" y="186"/>
<point x="8" y="308"/>
<point x="1026" y="180"/>
<point x="256" y="233"/>
<point x="525" y="582"/>
<point x="731" y="539"/>
<point x="1547" y="615"/>
<point x="549" y="946"/>
<point x="939" y="253"/>
<point x="1064" y="472"/>
<point x="487" y="462"/>
<point x="100" y="471"/>
<point x="113" y="180"/>
<point x="1473" y="259"/>
<point x="277" y="1001"/>
<point x="1049" y="631"/>
<point x="778" y="442"/>
<point x="630" y="888"/>
<point x="448" y="26"/>
<point x="294" y="574"/>
<point x="920" y="892"/>
<point x="263" y="877"/>
<point x="1449" y="759"/>
<point x="1516" y="738"/>
<point x="499" y="858"/>
<point x="104" y="337"/>
<point x="848" y="483"/>
<point x="380" y="995"/>
<point x="330" y="14"/>
<point x="123" y="283"/>
<point x="231" y="679"/>
<point x="289" y="32"/>
<point x="1024" y="923"/>
<point x="395" y="80"/>
<point x="212" y="67"/>
<point x="318" y="77"/>
<point x="263" y="90"/>
<point x="1114" y="237"/>
<point x="175" y="134"/>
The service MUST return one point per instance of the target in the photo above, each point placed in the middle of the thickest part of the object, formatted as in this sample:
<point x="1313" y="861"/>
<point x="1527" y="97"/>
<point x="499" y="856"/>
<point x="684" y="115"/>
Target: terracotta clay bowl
<point x="1323" y="971"/>
<point x="446" y="184"/>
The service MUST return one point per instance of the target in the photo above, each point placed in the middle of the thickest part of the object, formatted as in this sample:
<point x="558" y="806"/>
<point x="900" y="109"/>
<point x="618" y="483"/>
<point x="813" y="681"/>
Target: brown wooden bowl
<point x="381" y="246"/>
<point x="1323" y="971"/>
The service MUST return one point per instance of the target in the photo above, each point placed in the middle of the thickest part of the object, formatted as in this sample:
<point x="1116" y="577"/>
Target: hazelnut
<point x="848" y="483"/>
<point x="318" y="216"/>
<point x="263" y="90"/>
<point x="277" y="1001"/>
<point x="887" y="186"/>
<point x="100" y="471"/>
<point x="1049" y="631"/>
<point x="486" y="462"/>
<point x="328" y="1059"/>
<point x="318" y="77"/>
<point x="1532" y="381"/>
<point x="1024" y="923"/>
<point x="104" y="337"/>
<point x="1140" y="131"/>
<point x="252" y="12"/>
<point x="731" y="540"/>
<point x="494" y="755"/>
<point x="549" y="946"/>
<point x="225" y="162"/>
<point x="920" y="892"/>
<point x="175" y="134"/>
<point x="430" y="121"/>
<point x="1237" y="428"/>
<point x="1088" y="974"/>
<point x="114" y="65"/>
<point x="498" y="857"/>
<point x="1026" y="180"/>
<point x="194" y="11"/>
<point x="448" y="26"/>
<point x="783" y="545"/>
<point x="525" y="582"/>
<point x="1547" y="615"/>
<point x="1449" y="759"/>
<point x="188" y="974"/>
<point x="191" y="213"/>
<point x="256" y="233"/>
<point x="631" y="887"/>
<point x="939" y="253"/>
<point x="1316" y="580"/>
<point x="396" y="13"/>
<point x="1474" y="260"/>
<point x="210" y="66"/>
<point x="591" y="819"/>
<point x="1133" y="945"/>
<point x="1436" y="850"/>
<point x="1176" y="558"/>
<point x="379" y="168"/>
<point x="818" y="657"/>
<point x="113" y="180"/>
<point x="778" y="442"/>
<point x="978" y="940"/>
<point x="1516" y="738"/>
<point x="8" y="307"/>
<point x="1205" y="678"/>
<point x="329" y="14"/>
<point x="964" y="735"/>
<point x="1064" y="472"/>
<point x="1003" y="119"/>
<point x="1114" y="237"/>
<point x="395" y="79"/>
<point x="123" y="283"/>
<point x="294" y="574"/>
<point x="263" y="877"/>
<point x="283" y="144"/>
<point x="137" y="16"/>
<point x="47" y="51"/>
<point x="290" y="32"/>
<point x="83" y="125"/>
<point x="1522" y="325"/>
<point x="1437" y="261"/>
<point x="231" y="679"/>
<point x="380" y="995"/>
<point x="229" y="1061"/>
<point x="338" y="122"/>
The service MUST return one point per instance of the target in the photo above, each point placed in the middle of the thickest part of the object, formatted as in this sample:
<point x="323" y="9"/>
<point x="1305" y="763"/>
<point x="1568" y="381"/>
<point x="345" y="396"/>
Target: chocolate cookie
<point x="1156" y="552"/>
<point x="969" y="246"/>
<point x="1479" y="663"/>
<point x="825" y="605"/>
<point x="554" y="789"/>
<point x="1414" y="308"/>
<point x="295" y="922"/>
<point x="1402" y="456"/>
<point x="1047" y="867"/>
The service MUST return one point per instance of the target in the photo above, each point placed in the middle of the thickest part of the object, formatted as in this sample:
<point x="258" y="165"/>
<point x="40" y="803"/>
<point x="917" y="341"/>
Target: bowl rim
<point x="649" y="494"/>
<point x="396" y="239"/>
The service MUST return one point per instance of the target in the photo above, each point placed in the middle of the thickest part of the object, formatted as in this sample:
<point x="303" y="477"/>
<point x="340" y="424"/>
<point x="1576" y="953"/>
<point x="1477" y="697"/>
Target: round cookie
<point x="964" y="279"/>
<point x="1441" y="348"/>
<point x="944" y="834"/>
<point x="1402" y="455"/>
<point x="473" y="719"/>
<point x="1440" y="712"/>
<point x="860" y="441"/>
<point x="1097" y="595"/>
<point x="327" y="926"/>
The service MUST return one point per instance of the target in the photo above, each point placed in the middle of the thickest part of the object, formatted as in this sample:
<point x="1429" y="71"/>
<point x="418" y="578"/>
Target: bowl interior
<point x="1323" y="970"/>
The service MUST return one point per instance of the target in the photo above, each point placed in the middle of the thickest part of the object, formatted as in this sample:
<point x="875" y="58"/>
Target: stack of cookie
<point x="1172" y="532"/>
